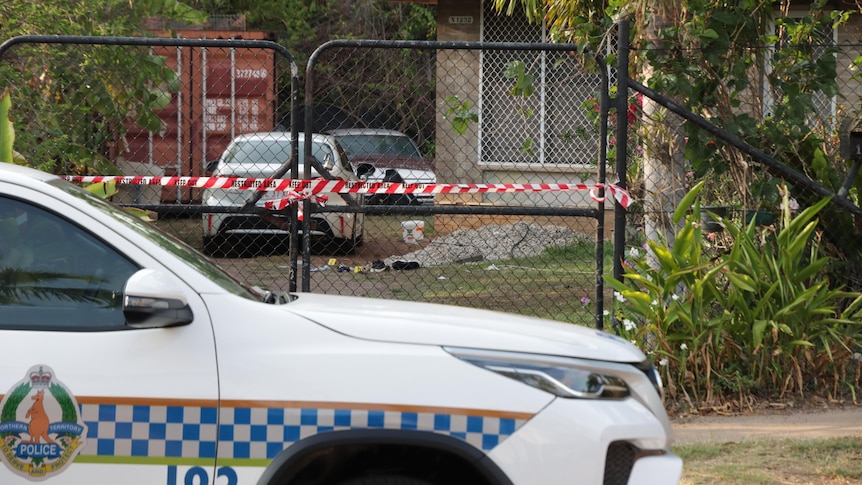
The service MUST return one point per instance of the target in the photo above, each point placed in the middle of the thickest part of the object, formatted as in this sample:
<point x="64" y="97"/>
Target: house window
<point x="532" y="109"/>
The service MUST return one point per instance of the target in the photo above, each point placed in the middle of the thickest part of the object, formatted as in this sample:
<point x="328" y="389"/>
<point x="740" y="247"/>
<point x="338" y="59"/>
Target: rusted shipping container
<point x="224" y="92"/>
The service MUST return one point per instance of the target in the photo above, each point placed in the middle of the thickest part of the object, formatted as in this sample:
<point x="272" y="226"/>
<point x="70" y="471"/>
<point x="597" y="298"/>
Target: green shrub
<point x="760" y="320"/>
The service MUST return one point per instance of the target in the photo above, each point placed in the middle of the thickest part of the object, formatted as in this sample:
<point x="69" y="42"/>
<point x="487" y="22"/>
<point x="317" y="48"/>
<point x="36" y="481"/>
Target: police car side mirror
<point x="153" y="300"/>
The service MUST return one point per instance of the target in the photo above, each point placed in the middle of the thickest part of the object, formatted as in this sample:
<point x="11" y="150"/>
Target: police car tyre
<point x="385" y="480"/>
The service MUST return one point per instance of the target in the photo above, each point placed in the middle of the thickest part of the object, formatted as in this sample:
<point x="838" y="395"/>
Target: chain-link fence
<point x="481" y="113"/>
<point x="413" y="112"/>
<point x="743" y="301"/>
<point x="787" y="131"/>
<point x="465" y="114"/>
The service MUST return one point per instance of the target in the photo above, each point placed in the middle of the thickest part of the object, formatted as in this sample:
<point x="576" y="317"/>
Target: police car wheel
<point x="385" y="480"/>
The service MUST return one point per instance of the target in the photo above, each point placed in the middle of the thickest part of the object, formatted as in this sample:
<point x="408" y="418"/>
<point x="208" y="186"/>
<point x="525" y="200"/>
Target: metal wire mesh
<point x="416" y="114"/>
<point x="467" y="115"/>
<point x="533" y="102"/>
<point x="813" y="146"/>
<point x="499" y="261"/>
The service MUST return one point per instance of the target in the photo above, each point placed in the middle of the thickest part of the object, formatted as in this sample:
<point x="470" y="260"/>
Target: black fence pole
<point x="604" y="108"/>
<point x="622" y="146"/>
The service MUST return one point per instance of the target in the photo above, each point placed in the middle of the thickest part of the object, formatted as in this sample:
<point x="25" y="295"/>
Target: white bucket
<point x="412" y="231"/>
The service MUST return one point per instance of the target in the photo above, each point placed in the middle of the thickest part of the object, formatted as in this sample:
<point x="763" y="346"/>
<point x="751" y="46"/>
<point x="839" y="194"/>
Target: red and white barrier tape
<point x="292" y="198"/>
<point x="308" y="188"/>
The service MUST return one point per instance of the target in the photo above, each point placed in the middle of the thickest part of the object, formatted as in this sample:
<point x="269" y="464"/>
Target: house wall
<point x="458" y="73"/>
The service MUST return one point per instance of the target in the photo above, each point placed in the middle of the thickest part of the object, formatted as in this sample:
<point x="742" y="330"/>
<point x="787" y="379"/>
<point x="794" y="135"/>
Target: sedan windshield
<point x="388" y="145"/>
<point x="272" y="152"/>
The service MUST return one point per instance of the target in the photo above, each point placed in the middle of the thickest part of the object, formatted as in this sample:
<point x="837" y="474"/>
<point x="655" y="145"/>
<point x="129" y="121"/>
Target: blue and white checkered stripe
<point x="254" y="433"/>
<point x="147" y="431"/>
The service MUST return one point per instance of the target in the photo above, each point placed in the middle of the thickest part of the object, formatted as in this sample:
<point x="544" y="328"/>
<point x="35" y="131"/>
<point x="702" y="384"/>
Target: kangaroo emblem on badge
<point x="41" y="431"/>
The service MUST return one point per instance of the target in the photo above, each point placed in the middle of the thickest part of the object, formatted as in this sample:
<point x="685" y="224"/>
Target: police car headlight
<point x="563" y="377"/>
<point x="653" y="375"/>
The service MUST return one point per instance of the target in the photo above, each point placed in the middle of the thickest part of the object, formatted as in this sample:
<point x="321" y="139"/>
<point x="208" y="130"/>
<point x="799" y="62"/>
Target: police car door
<point x="85" y="397"/>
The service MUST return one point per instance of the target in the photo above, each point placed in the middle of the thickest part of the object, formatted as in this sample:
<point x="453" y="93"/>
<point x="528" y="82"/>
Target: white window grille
<point x="547" y="127"/>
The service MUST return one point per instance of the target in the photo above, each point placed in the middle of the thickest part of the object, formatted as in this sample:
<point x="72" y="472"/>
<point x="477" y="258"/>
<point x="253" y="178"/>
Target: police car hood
<point x="432" y="324"/>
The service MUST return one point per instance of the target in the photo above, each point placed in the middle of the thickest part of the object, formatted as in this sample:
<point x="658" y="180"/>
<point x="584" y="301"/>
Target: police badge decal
<point x="41" y="431"/>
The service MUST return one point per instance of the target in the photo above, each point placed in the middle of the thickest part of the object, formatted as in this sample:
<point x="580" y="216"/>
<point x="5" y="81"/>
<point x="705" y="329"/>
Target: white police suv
<point x="127" y="357"/>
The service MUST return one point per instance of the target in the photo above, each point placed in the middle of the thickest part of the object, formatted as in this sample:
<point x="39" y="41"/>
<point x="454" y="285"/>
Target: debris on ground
<point x="491" y="243"/>
<point x="405" y="265"/>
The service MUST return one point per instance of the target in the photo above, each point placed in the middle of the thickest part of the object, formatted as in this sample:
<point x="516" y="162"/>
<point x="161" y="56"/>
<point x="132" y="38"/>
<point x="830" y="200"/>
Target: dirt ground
<point x="271" y="269"/>
<point x="811" y="423"/>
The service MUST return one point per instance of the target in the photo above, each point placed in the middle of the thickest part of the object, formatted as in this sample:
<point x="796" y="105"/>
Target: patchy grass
<point x="559" y="284"/>
<point x="560" y="276"/>
<point x="830" y="461"/>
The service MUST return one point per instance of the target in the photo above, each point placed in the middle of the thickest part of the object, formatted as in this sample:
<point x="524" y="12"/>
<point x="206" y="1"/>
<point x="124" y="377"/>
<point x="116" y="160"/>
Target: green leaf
<point x="664" y="257"/>
<point x="149" y="121"/>
<point x="460" y="126"/>
<point x="757" y="330"/>
<point x="741" y="281"/>
<point x="709" y="34"/>
<point x="686" y="245"/>
<point x="811" y="270"/>
<point x="724" y="17"/>
<point x="523" y="87"/>
<point x="687" y="201"/>
<point x="461" y="113"/>
<point x="157" y="60"/>
<point x="160" y="99"/>
<point x="103" y="189"/>
<point x="7" y="133"/>
<point x="637" y="301"/>
<point x="807" y="215"/>
<point x="141" y="213"/>
<point x="617" y="284"/>
<point x="819" y="162"/>
<point x="803" y="343"/>
<point x="647" y="283"/>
